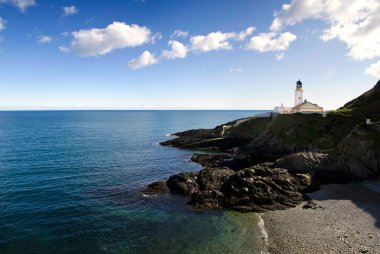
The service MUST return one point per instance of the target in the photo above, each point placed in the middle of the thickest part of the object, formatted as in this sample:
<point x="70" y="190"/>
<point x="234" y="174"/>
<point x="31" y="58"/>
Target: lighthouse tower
<point x="298" y="98"/>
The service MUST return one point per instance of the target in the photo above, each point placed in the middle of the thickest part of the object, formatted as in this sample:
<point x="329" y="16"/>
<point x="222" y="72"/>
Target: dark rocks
<point x="259" y="189"/>
<point x="183" y="183"/>
<point x="359" y="152"/>
<point x="234" y="159"/>
<point x="323" y="167"/>
<point x="210" y="179"/>
<point x="209" y="199"/>
<point x="156" y="188"/>
<point x="188" y="138"/>
<point x="305" y="162"/>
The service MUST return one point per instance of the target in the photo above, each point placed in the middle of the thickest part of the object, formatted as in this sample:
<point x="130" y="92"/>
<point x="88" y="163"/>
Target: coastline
<point x="347" y="221"/>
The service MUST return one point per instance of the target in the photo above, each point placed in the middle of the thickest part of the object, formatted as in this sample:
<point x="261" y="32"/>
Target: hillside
<point x="365" y="106"/>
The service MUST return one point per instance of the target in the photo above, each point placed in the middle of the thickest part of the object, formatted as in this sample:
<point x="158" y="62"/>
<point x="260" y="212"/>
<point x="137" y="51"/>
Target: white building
<point x="300" y="105"/>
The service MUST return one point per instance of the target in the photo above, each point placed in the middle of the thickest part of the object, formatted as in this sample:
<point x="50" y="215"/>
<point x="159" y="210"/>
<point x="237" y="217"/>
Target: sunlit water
<point x="70" y="181"/>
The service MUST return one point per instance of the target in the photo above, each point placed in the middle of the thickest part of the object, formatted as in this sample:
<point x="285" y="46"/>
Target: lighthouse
<point x="298" y="98"/>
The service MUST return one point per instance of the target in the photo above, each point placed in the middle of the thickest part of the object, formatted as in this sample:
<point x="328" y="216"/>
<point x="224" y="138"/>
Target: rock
<point x="310" y="205"/>
<point x="156" y="187"/>
<point x="234" y="159"/>
<point x="187" y="138"/>
<point x="209" y="199"/>
<point x="323" y="167"/>
<point x="305" y="162"/>
<point x="212" y="179"/>
<point x="259" y="189"/>
<point x="183" y="183"/>
<point x="359" y="153"/>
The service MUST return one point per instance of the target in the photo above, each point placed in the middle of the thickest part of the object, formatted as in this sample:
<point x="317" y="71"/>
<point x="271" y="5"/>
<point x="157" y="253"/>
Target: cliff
<point x="270" y="162"/>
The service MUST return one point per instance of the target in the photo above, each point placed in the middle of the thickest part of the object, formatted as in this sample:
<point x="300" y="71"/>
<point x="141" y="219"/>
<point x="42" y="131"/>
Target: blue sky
<point x="185" y="54"/>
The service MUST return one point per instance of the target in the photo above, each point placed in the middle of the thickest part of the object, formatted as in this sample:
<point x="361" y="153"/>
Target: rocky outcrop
<point x="235" y="159"/>
<point x="190" y="137"/>
<point x="359" y="152"/>
<point x="259" y="189"/>
<point x="322" y="167"/>
<point x="183" y="183"/>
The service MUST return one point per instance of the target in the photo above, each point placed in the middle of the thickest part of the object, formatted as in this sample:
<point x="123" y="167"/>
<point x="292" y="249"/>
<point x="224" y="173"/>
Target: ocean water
<point x="70" y="181"/>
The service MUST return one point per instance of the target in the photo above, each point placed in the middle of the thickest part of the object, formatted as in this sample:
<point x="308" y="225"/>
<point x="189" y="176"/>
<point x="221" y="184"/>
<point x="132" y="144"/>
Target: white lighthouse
<point x="298" y="98"/>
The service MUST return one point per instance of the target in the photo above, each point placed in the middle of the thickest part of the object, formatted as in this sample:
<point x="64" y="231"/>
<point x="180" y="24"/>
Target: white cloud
<point x="280" y="56"/>
<point x="178" y="50"/>
<point x="45" y="39"/>
<point x="354" y="22"/>
<point x="2" y="24"/>
<point x="64" y="49"/>
<point x="217" y="40"/>
<point x="145" y="59"/>
<point x="265" y="42"/>
<point x="374" y="69"/>
<point x="179" y="34"/>
<point x="21" y="4"/>
<point x="69" y="10"/>
<point x="118" y="35"/>
<point x="212" y="41"/>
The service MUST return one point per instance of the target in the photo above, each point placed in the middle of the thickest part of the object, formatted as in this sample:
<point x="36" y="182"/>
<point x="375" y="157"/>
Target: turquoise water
<point x="70" y="181"/>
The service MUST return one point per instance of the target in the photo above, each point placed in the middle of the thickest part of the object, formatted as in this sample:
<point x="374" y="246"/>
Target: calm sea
<point x="70" y="181"/>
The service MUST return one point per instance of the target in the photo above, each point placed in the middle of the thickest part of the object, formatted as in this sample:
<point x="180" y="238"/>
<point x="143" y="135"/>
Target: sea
<point x="71" y="181"/>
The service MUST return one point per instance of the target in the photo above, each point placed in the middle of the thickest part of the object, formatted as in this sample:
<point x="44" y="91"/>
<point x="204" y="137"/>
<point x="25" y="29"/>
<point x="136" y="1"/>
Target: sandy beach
<point x="347" y="221"/>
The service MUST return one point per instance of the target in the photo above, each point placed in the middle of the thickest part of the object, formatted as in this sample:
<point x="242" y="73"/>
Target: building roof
<point x="306" y="104"/>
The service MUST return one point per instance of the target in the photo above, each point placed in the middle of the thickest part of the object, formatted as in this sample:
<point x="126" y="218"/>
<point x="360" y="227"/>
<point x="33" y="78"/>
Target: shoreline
<point x="347" y="221"/>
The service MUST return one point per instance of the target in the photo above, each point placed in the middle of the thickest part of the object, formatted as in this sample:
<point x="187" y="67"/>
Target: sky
<point x="185" y="54"/>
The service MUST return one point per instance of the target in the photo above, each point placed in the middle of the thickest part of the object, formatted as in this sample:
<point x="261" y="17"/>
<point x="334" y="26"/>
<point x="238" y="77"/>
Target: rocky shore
<point x="272" y="162"/>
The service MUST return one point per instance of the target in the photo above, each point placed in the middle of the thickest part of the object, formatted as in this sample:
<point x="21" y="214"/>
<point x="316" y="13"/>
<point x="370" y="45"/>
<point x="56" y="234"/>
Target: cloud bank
<point x="355" y="22"/>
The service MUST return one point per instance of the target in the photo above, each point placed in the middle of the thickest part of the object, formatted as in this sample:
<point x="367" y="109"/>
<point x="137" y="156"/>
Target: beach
<point x="346" y="221"/>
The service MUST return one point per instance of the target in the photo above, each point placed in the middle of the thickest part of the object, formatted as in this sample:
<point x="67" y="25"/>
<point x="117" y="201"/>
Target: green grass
<point x="249" y="129"/>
